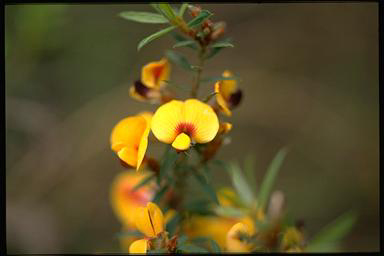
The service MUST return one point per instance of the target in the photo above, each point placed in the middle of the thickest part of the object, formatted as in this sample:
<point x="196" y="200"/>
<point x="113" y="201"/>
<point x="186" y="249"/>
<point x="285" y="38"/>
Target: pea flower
<point x="129" y="138"/>
<point x="180" y="123"/>
<point x="292" y="239"/>
<point x="143" y="93"/>
<point x="123" y="198"/>
<point x="237" y="237"/>
<point x="227" y="94"/>
<point x="154" y="74"/>
<point x="149" y="220"/>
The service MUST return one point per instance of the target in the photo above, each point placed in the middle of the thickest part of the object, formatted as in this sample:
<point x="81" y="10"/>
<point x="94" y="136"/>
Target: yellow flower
<point x="212" y="226"/>
<point x="154" y="73"/>
<point x="139" y="246"/>
<point x="129" y="138"/>
<point x="179" y="123"/>
<point x="227" y="94"/>
<point x="149" y="220"/>
<point x="292" y="238"/>
<point x="227" y="196"/>
<point x="124" y="199"/>
<point x="235" y="236"/>
<point x="141" y="92"/>
<point x="225" y="127"/>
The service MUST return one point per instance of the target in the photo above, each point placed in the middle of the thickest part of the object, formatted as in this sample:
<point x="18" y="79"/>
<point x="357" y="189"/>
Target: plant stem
<point x="196" y="85"/>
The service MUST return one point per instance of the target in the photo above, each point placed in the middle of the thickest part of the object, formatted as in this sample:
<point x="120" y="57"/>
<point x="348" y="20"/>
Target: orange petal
<point x="220" y="99"/>
<point x="139" y="246"/>
<point x="154" y="73"/>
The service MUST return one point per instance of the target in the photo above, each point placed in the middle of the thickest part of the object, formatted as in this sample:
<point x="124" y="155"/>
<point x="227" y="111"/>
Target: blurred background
<point x="309" y="74"/>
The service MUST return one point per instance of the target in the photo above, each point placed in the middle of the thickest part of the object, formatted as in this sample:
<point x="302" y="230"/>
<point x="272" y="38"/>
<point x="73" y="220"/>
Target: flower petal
<point x="154" y="73"/>
<point x="127" y="132"/>
<point x="166" y="119"/>
<point x="203" y="118"/>
<point x="228" y="86"/>
<point x="157" y="218"/>
<point x="144" y="139"/>
<point x="220" y="99"/>
<point x="139" y="246"/>
<point x="143" y="222"/>
<point x="234" y="244"/>
<point x="182" y="142"/>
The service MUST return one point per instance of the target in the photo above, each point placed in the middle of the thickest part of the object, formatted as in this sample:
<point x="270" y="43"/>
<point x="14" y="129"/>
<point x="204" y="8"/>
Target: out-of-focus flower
<point x="228" y="95"/>
<point x="180" y="123"/>
<point x="292" y="239"/>
<point x="139" y="246"/>
<point x="213" y="226"/>
<point x="154" y="74"/>
<point x="141" y="92"/>
<point x="124" y="199"/>
<point x="129" y="138"/>
<point x="227" y="196"/>
<point x="238" y="237"/>
<point x="149" y="220"/>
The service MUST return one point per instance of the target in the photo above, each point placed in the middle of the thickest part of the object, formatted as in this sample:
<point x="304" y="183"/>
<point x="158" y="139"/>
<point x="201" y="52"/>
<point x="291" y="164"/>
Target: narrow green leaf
<point x="169" y="160"/>
<point x="144" y="182"/>
<point x="159" y="195"/>
<point x="183" y="8"/>
<point x="179" y="59"/>
<point x="167" y="10"/>
<point x="222" y="45"/>
<point x="154" y="36"/>
<point x="143" y="17"/>
<point x="213" y="52"/>
<point x="331" y="234"/>
<point x="227" y="211"/>
<point x="249" y="169"/>
<point x="184" y="43"/>
<point x="192" y="248"/>
<point x="270" y="177"/>
<point x="206" y="187"/>
<point x="203" y="15"/>
<point x="241" y="185"/>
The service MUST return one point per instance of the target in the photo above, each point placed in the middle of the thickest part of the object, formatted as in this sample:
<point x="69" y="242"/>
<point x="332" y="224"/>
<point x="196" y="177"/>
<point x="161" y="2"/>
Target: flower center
<point x="187" y="128"/>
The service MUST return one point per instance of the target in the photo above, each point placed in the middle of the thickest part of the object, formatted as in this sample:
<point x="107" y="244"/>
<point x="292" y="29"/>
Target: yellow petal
<point x="182" y="142"/>
<point x="154" y="73"/>
<point x="144" y="139"/>
<point x="143" y="222"/>
<point x="139" y="246"/>
<point x="234" y="244"/>
<point x="124" y="199"/>
<point x="220" y="99"/>
<point x="157" y="218"/>
<point x="128" y="155"/>
<point x="166" y="119"/>
<point x="127" y="131"/>
<point x="203" y="118"/>
<point x="292" y="237"/>
<point x="228" y="86"/>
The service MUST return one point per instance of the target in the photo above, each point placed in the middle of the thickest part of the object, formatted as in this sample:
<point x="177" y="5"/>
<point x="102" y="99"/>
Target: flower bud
<point x="237" y="238"/>
<point x="139" y="246"/>
<point x="149" y="220"/>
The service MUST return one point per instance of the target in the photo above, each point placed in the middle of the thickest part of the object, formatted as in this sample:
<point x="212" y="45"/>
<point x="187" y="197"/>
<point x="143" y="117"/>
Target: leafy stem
<point x="196" y="85"/>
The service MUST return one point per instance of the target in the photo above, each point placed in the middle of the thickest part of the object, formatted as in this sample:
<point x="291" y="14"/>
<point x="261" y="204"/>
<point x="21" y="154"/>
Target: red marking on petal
<point x="187" y="128"/>
<point x="157" y="72"/>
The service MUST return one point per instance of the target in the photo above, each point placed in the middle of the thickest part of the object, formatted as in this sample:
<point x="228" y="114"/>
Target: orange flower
<point x="179" y="123"/>
<point x="155" y="73"/>
<point x="124" y="199"/>
<point x="129" y="138"/>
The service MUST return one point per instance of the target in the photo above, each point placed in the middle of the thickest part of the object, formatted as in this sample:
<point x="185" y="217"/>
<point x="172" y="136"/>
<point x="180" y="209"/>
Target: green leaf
<point x="169" y="160"/>
<point x="241" y="185"/>
<point x="228" y="211"/>
<point x="330" y="235"/>
<point x="143" y="17"/>
<point x="222" y="45"/>
<point x="203" y="15"/>
<point x="184" y="43"/>
<point x="270" y="177"/>
<point x="203" y="207"/>
<point x="183" y="8"/>
<point x="206" y="187"/>
<point x="144" y="182"/>
<point x="159" y="195"/>
<point x="154" y="36"/>
<point x="179" y="59"/>
<point x="249" y="169"/>
<point x="192" y="248"/>
<point x="167" y="10"/>
<point x="213" y="52"/>
<point x="218" y="78"/>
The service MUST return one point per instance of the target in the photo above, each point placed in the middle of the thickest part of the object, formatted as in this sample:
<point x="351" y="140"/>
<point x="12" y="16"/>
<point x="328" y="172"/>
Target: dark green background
<point x="310" y="80"/>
